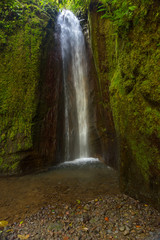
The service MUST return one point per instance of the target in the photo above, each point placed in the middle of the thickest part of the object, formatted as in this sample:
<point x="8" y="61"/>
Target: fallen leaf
<point x="66" y="238"/>
<point x="78" y="201"/>
<point x="106" y="219"/>
<point x="9" y="230"/>
<point x="118" y="206"/>
<point x="23" y="237"/>
<point x="138" y="226"/>
<point x="3" y="223"/>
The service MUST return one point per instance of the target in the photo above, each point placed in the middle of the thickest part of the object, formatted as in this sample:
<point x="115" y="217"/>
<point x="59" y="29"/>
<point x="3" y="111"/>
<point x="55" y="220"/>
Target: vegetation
<point x="74" y="5"/>
<point x="14" y="14"/>
<point x="22" y="28"/>
<point x="121" y="13"/>
<point x="127" y="55"/>
<point x="23" y="25"/>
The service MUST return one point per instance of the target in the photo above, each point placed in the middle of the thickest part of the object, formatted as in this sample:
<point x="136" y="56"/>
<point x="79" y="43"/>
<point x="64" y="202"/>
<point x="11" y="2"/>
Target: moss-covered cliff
<point x="23" y="26"/>
<point x="127" y="57"/>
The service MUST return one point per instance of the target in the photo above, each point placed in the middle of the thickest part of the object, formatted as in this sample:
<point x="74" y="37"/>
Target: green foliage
<point x="75" y="5"/>
<point x="123" y="13"/>
<point x="120" y="12"/>
<point x="46" y="4"/>
<point x="10" y="17"/>
<point x="14" y="14"/>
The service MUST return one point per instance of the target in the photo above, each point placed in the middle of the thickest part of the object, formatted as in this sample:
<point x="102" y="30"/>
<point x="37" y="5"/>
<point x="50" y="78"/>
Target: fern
<point x="117" y="11"/>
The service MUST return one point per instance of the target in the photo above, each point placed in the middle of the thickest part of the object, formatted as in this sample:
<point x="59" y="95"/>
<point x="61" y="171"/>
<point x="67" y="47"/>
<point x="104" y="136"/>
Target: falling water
<point x="74" y="79"/>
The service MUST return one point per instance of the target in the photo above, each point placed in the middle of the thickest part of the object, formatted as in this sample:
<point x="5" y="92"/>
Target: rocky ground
<point x="110" y="217"/>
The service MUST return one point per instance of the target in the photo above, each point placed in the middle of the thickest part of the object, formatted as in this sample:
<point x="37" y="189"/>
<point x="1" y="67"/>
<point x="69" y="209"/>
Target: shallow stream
<point x="81" y="180"/>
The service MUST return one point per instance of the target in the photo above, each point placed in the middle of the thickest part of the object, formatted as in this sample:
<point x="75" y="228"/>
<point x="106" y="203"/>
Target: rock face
<point x="46" y="135"/>
<point x="127" y="63"/>
<point x="27" y="86"/>
<point x="103" y="142"/>
<point x="104" y="116"/>
<point x="32" y="95"/>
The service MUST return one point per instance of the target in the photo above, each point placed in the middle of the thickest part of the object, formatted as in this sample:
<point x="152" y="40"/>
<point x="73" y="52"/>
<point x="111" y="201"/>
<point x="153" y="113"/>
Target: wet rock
<point x="127" y="231"/>
<point x="87" y="207"/>
<point x="122" y="228"/>
<point x="55" y="226"/>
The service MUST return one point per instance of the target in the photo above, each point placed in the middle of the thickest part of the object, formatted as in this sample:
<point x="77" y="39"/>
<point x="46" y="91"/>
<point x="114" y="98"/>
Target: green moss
<point x="1" y="161"/>
<point x="132" y="74"/>
<point x="19" y="78"/>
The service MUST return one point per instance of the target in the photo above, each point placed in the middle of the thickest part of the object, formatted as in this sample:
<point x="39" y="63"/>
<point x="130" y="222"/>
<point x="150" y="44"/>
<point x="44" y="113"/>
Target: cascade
<point x="75" y="86"/>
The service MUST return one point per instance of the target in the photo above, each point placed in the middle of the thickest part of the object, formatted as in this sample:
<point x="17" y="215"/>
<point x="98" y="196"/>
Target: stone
<point x="122" y="228"/>
<point x="55" y="226"/>
<point x="127" y="231"/>
<point x="86" y="207"/>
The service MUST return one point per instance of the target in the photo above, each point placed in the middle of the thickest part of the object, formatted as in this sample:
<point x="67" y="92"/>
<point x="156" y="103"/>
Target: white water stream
<point x="74" y="66"/>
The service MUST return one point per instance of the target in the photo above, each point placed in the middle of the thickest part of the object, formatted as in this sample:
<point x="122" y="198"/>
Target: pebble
<point x="122" y="228"/>
<point x="126" y="232"/>
<point x="95" y="219"/>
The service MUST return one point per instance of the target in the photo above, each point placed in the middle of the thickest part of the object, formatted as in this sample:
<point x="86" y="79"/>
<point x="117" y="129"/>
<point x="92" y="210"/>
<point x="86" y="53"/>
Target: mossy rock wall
<point x="21" y="75"/>
<point x="104" y="117"/>
<point x="128" y="67"/>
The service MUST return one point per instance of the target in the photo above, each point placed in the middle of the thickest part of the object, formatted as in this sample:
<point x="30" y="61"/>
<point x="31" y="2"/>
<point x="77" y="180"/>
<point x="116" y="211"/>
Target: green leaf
<point x="102" y="10"/>
<point x="132" y="8"/>
<point x="106" y="16"/>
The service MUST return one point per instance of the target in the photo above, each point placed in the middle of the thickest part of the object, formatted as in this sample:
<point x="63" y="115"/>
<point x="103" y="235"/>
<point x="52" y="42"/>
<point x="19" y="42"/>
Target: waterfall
<point x="75" y="85"/>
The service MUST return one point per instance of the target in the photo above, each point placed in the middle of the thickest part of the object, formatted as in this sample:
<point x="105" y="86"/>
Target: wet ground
<point x="21" y="196"/>
<point x="73" y="201"/>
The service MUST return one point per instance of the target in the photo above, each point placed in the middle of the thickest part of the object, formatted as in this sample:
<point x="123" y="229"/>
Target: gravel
<point x="111" y="217"/>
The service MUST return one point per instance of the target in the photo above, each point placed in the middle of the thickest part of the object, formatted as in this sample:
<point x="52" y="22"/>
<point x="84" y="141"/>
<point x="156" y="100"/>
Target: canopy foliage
<point x="74" y="5"/>
<point x="124" y="13"/>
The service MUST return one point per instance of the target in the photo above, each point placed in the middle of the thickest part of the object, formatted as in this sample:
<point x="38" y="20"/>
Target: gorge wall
<point x="32" y="93"/>
<point x="29" y="86"/>
<point x="127" y="60"/>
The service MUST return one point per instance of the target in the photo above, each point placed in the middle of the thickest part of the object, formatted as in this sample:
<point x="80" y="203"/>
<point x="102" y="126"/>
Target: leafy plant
<point x="117" y="11"/>
<point x="14" y="14"/>
<point x="75" y="5"/>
